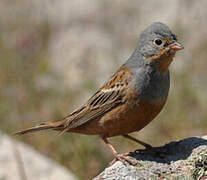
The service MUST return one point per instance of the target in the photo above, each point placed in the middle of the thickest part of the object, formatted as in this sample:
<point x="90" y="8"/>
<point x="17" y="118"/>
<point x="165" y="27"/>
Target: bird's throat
<point x="163" y="61"/>
<point x="163" y="65"/>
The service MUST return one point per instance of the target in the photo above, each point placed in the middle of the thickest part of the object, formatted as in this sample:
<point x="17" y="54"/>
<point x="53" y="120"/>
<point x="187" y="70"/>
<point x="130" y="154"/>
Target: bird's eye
<point x="158" y="42"/>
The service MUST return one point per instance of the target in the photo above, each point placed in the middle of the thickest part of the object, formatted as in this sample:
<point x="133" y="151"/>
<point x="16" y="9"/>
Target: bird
<point x="131" y="98"/>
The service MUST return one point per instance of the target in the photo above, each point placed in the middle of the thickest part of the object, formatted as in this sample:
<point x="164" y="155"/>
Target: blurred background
<point x="55" y="54"/>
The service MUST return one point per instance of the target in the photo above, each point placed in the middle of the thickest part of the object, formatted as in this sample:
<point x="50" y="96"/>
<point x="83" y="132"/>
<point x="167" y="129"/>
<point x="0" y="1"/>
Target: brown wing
<point x="106" y="98"/>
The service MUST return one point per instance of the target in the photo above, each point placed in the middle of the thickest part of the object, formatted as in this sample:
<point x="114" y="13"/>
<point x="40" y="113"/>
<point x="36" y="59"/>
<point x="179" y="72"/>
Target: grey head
<point x="150" y="61"/>
<point x="155" y="42"/>
<point x="154" y="39"/>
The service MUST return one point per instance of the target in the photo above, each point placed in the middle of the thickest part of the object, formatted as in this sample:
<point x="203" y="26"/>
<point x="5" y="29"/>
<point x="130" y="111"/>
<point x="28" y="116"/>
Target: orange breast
<point x="130" y="120"/>
<point x="123" y="119"/>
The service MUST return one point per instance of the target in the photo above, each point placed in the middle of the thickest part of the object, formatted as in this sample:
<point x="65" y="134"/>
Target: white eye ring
<point x="158" y="42"/>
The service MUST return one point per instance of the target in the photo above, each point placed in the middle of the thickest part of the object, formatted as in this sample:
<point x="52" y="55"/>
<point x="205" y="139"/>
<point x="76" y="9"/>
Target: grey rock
<point x="20" y="162"/>
<point x="185" y="159"/>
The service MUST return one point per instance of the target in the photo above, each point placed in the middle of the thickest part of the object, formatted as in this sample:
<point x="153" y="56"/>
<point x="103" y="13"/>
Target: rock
<point x="184" y="160"/>
<point x="20" y="162"/>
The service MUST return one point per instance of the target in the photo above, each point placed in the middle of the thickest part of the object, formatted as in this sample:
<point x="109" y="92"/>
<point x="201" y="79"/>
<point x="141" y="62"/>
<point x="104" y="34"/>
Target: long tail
<point x="55" y="125"/>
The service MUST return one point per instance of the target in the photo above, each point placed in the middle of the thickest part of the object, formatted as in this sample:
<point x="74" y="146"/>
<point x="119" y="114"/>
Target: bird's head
<point x="158" y="45"/>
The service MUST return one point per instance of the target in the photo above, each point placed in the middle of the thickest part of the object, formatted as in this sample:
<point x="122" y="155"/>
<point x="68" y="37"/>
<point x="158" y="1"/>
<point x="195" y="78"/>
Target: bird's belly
<point x="122" y="120"/>
<point x="130" y="120"/>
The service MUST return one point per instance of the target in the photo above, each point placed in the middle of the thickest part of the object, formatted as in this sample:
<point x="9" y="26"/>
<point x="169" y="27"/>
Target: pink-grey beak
<point x="176" y="46"/>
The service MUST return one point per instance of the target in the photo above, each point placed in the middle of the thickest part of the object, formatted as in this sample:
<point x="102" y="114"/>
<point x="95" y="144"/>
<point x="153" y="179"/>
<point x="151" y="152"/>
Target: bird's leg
<point x="120" y="157"/>
<point x="147" y="146"/>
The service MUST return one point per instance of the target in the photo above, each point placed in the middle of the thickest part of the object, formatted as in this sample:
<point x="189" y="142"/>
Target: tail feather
<point x="55" y="125"/>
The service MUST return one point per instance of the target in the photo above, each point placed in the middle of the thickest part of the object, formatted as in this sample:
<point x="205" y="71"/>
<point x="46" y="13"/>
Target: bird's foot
<point x="123" y="158"/>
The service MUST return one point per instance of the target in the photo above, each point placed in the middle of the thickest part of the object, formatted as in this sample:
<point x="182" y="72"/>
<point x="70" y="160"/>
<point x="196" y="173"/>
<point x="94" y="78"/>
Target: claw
<point x="123" y="158"/>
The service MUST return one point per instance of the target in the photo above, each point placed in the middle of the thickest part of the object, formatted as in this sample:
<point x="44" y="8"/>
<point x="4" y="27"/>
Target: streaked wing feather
<point x="107" y="98"/>
<point x="92" y="114"/>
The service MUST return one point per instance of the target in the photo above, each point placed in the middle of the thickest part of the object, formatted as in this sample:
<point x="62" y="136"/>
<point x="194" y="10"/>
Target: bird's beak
<point x="176" y="46"/>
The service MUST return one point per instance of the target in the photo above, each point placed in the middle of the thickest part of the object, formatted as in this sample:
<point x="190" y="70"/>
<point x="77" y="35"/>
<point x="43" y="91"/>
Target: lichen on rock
<point x="185" y="159"/>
